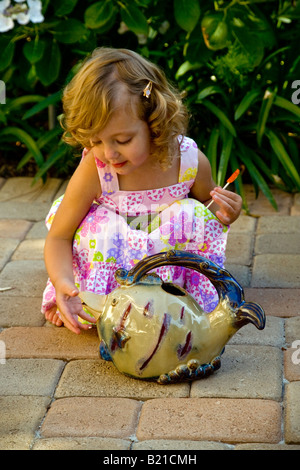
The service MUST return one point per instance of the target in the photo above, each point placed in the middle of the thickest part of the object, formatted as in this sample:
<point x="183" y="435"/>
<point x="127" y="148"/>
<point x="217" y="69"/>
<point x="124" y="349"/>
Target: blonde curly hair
<point x="90" y="99"/>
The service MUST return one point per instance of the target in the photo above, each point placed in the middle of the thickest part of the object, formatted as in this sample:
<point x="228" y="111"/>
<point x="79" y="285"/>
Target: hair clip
<point x="147" y="90"/>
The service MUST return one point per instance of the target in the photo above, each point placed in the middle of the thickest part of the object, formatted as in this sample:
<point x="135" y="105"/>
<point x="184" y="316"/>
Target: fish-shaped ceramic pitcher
<point x="151" y="329"/>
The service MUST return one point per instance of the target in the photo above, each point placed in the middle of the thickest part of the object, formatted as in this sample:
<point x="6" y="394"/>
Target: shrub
<point x="236" y="62"/>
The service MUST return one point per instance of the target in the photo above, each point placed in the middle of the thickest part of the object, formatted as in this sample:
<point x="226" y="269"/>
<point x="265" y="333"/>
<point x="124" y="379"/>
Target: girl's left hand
<point x="230" y="205"/>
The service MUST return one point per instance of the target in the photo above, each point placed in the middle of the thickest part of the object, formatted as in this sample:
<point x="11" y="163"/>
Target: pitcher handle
<point x="219" y="277"/>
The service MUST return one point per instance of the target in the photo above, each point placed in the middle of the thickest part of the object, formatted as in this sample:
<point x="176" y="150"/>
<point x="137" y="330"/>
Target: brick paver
<point x="56" y="394"/>
<point x="47" y="343"/>
<point x="82" y="417"/>
<point x="213" y="419"/>
<point x="292" y="413"/>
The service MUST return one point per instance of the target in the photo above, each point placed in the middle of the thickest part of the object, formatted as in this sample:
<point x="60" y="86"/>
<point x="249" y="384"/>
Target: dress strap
<point x="107" y="176"/>
<point x="188" y="161"/>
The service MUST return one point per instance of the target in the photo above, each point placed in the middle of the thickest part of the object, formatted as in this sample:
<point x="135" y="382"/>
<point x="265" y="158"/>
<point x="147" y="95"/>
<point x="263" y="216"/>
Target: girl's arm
<point x="83" y="188"/>
<point x="227" y="204"/>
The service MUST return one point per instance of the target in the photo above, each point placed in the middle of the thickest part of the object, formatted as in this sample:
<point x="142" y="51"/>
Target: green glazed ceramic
<point x="156" y="330"/>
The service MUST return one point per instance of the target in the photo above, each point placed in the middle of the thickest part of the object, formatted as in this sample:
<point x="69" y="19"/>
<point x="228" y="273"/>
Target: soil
<point x="8" y="166"/>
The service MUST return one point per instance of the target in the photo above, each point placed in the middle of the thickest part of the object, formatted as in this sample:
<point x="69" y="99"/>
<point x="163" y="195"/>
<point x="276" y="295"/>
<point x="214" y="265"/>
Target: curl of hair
<point x="90" y="99"/>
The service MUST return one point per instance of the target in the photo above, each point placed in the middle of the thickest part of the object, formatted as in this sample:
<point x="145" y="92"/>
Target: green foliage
<point x="236" y="62"/>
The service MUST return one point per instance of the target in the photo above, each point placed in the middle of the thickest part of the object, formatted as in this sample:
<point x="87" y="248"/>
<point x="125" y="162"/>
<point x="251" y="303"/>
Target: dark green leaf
<point x="44" y="103"/>
<point x="7" y="49"/>
<point x="34" y="50"/>
<point x="264" y="114"/>
<point x="64" y="7"/>
<point x="224" y="158"/>
<point x="287" y="105"/>
<point x="283" y="157"/>
<point x="99" y="14"/>
<point x="69" y="31"/>
<point x="246" y="102"/>
<point x="247" y="158"/>
<point x="208" y="91"/>
<point x="134" y="19"/>
<point x="56" y="156"/>
<point x="212" y="151"/>
<point x="187" y="67"/>
<point x="48" y="67"/>
<point x="24" y="137"/>
<point x="220" y="115"/>
<point x="41" y="142"/>
<point x="187" y="13"/>
<point x="17" y="102"/>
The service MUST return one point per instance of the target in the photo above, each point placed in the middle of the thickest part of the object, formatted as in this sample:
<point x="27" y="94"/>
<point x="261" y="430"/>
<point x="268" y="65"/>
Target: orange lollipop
<point x="231" y="179"/>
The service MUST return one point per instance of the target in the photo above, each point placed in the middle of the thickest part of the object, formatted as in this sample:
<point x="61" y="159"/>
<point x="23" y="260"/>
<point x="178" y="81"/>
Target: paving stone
<point x="276" y="302"/>
<point x="212" y="419"/>
<point x="7" y="247"/>
<point x="165" y="444"/>
<point x="246" y="372"/>
<point x="271" y="335"/>
<point x="30" y="376"/>
<point x="50" y="343"/>
<point x="292" y="413"/>
<point x="261" y="206"/>
<point x="101" y="378"/>
<point x="20" y="419"/>
<point x="277" y="243"/>
<point x="269" y="447"/>
<point x="21" y="189"/>
<point x="17" y="274"/>
<point x="295" y="210"/>
<point x="14" y="228"/>
<point x="240" y="273"/>
<point x="276" y="270"/>
<point x="38" y="230"/>
<point x="244" y="224"/>
<point x="20" y="311"/>
<point x="34" y="211"/>
<point x="278" y="225"/>
<point x="31" y="249"/>
<point x="16" y="441"/>
<point x="239" y="248"/>
<point x="92" y="416"/>
<point x="81" y="443"/>
<point x="292" y="329"/>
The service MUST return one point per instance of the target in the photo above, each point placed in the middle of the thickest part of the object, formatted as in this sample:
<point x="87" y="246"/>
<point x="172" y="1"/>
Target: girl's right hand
<point x="70" y="307"/>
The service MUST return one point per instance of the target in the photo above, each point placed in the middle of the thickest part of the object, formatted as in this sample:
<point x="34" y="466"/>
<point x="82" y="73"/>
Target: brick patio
<point x="55" y="393"/>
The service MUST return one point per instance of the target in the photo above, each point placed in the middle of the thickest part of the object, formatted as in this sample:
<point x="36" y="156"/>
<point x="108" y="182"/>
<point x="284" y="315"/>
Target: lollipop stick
<point x="231" y="178"/>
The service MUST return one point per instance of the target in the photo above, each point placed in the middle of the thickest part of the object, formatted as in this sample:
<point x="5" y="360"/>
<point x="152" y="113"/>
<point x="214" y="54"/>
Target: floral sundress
<point x="123" y="227"/>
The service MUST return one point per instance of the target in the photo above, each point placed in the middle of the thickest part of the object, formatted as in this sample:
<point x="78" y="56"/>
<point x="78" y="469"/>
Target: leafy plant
<point x="236" y="62"/>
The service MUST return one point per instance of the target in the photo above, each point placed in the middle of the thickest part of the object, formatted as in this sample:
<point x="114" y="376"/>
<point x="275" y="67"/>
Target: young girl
<point x="139" y="189"/>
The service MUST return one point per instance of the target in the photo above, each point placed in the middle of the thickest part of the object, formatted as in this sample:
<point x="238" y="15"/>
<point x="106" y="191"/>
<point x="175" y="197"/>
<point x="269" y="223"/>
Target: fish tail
<point x="250" y="312"/>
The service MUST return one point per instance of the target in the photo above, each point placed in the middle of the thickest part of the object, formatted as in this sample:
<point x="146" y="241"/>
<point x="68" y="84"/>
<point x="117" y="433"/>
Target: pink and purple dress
<point x="123" y="227"/>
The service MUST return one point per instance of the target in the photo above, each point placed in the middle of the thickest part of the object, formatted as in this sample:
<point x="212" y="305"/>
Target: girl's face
<point x="123" y="143"/>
